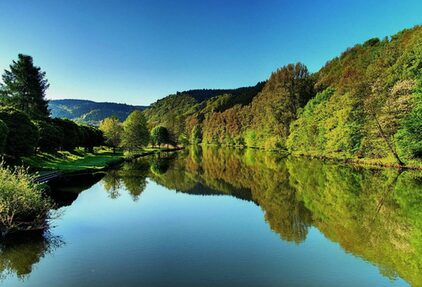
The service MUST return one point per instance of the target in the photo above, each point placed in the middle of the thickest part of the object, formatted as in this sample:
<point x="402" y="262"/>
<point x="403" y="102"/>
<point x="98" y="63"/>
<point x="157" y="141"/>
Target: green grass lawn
<point x="77" y="160"/>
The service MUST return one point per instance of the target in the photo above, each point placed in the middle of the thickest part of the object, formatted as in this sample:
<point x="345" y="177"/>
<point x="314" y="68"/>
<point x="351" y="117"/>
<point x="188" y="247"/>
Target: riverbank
<point x="50" y="166"/>
<point x="70" y="162"/>
<point x="365" y="162"/>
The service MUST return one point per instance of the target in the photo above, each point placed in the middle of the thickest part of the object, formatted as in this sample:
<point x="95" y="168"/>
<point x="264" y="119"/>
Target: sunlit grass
<point x="77" y="160"/>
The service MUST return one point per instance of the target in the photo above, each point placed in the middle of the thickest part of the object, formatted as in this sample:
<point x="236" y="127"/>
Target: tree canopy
<point x="112" y="129"/>
<point x="24" y="87"/>
<point x="160" y="135"/>
<point x="136" y="134"/>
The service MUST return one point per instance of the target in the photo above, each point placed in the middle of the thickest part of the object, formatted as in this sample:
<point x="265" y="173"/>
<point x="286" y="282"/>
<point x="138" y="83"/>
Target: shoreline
<point x="47" y="175"/>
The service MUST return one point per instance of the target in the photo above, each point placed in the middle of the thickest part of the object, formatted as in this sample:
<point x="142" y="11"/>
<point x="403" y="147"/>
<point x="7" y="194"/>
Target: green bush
<point x="22" y="203"/>
<point x="23" y="134"/>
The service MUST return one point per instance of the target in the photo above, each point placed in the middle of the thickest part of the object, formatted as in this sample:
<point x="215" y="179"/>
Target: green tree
<point x="24" y="87"/>
<point x="112" y="129"/>
<point x="51" y="136"/>
<point x="90" y="137"/>
<point x="135" y="131"/>
<point x="70" y="129"/>
<point x="3" y="136"/>
<point x="23" y="135"/>
<point x="160" y="135"/>
<point x="196" y="135"/>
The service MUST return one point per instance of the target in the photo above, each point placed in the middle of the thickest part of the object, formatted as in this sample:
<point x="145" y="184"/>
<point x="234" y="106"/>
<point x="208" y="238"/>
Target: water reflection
<point x="375" y="214"/>
<point x="18" y="254"/>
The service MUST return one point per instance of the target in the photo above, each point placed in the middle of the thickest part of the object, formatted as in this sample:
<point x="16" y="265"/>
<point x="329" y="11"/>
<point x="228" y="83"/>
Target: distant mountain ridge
<point x="89" y="112"/>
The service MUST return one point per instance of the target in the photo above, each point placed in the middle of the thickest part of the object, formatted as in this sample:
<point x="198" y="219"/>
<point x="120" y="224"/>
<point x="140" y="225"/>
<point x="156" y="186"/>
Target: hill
<point x="364" y="105"/>
<point x="89" y="112"/>
<point x="180" y="112"/>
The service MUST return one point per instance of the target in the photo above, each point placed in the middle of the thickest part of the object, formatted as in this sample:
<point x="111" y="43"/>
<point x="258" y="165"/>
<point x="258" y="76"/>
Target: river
<point x="226" y="217"/>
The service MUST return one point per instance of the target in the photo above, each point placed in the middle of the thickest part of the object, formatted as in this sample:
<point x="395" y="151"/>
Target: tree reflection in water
<point x="18" y="254"/>
<point x="373" y="213"/>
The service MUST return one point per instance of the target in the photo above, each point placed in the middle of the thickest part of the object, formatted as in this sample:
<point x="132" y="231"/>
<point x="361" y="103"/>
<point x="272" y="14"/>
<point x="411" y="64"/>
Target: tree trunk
<point x="387" y="141"/>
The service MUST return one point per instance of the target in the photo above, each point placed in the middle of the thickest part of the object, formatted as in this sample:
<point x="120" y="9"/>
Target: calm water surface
<point x="227" y="218"/>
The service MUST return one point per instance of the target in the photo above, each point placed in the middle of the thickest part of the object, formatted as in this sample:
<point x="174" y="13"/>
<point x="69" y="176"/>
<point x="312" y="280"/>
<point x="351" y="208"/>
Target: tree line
<point x="25" y="123"/>
<point x="365" y="104"/>
<point x="26" y="126"/>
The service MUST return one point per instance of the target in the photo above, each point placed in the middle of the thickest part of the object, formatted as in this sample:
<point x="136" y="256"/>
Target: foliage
<point x="51" y="136"/>
<point x="196" y="136"/>
<point x="160" y="135"/>
<point x="70" y="129"/>
<point x="22" y="204"/>
<point x="180" y="112"/>
<point x="368" y="105"/>
<point x="136" y="134"/>
<point x="24" y="87"/>
<point x="409" y="136"/>
<point x="90" y="137"/>
<point x="23" y="135"/>
<point x="112" y="129"/>
<point x="4" y="131"/>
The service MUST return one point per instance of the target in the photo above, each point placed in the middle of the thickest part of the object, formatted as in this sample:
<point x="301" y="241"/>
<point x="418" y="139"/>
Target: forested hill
<point x="365" y="104"/>
<point x="181" y="111"/>
<point x="89" y="111"/>
<point x="246" y="93"/>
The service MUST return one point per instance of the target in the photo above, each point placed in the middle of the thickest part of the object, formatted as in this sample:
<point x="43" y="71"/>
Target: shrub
<point x="22" y="203"/>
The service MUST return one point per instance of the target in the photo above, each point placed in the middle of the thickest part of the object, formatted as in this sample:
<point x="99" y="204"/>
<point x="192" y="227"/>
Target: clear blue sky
<point x="140" y="51"/>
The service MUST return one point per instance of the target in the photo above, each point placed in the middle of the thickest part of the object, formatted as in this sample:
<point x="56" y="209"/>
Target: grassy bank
<point x="79" y="160"/>
<point x="75" y="161"/>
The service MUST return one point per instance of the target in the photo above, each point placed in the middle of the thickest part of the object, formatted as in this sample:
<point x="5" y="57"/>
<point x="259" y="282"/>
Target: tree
<point x="23" y="135"/>
<point x="51" y="136"/>
<point x="196" y="135"/>
<point x="3" y="135"/>
<point x="71" y="138"/>
<point x="135" y="131"/>
<point x="112" y="129"/>
<point x="160" y="135"/>
<point x="90" y="137"/>
<point x="24" y="88"/>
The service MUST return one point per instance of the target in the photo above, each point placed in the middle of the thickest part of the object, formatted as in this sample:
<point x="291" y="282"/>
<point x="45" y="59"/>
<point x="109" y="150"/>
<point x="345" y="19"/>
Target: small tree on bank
<point x="135" y="131"/>
<point x="160" y="135"/>
<point x="112" y="129"/>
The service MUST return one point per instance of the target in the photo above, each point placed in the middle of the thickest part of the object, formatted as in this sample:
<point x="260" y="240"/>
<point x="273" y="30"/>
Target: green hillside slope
<point x="88" y="111"/>
<point x="364" y="105"/>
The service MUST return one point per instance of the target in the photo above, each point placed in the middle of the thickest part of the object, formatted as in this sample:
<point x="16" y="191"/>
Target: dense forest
<point x="365" y="104"/>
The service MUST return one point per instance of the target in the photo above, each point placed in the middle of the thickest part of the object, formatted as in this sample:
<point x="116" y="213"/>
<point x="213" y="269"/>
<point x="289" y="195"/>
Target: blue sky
<point x="139" y="51"/>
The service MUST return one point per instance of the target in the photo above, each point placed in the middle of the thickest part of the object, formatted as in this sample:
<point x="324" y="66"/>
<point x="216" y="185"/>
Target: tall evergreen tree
<point x="24" y="87"/>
